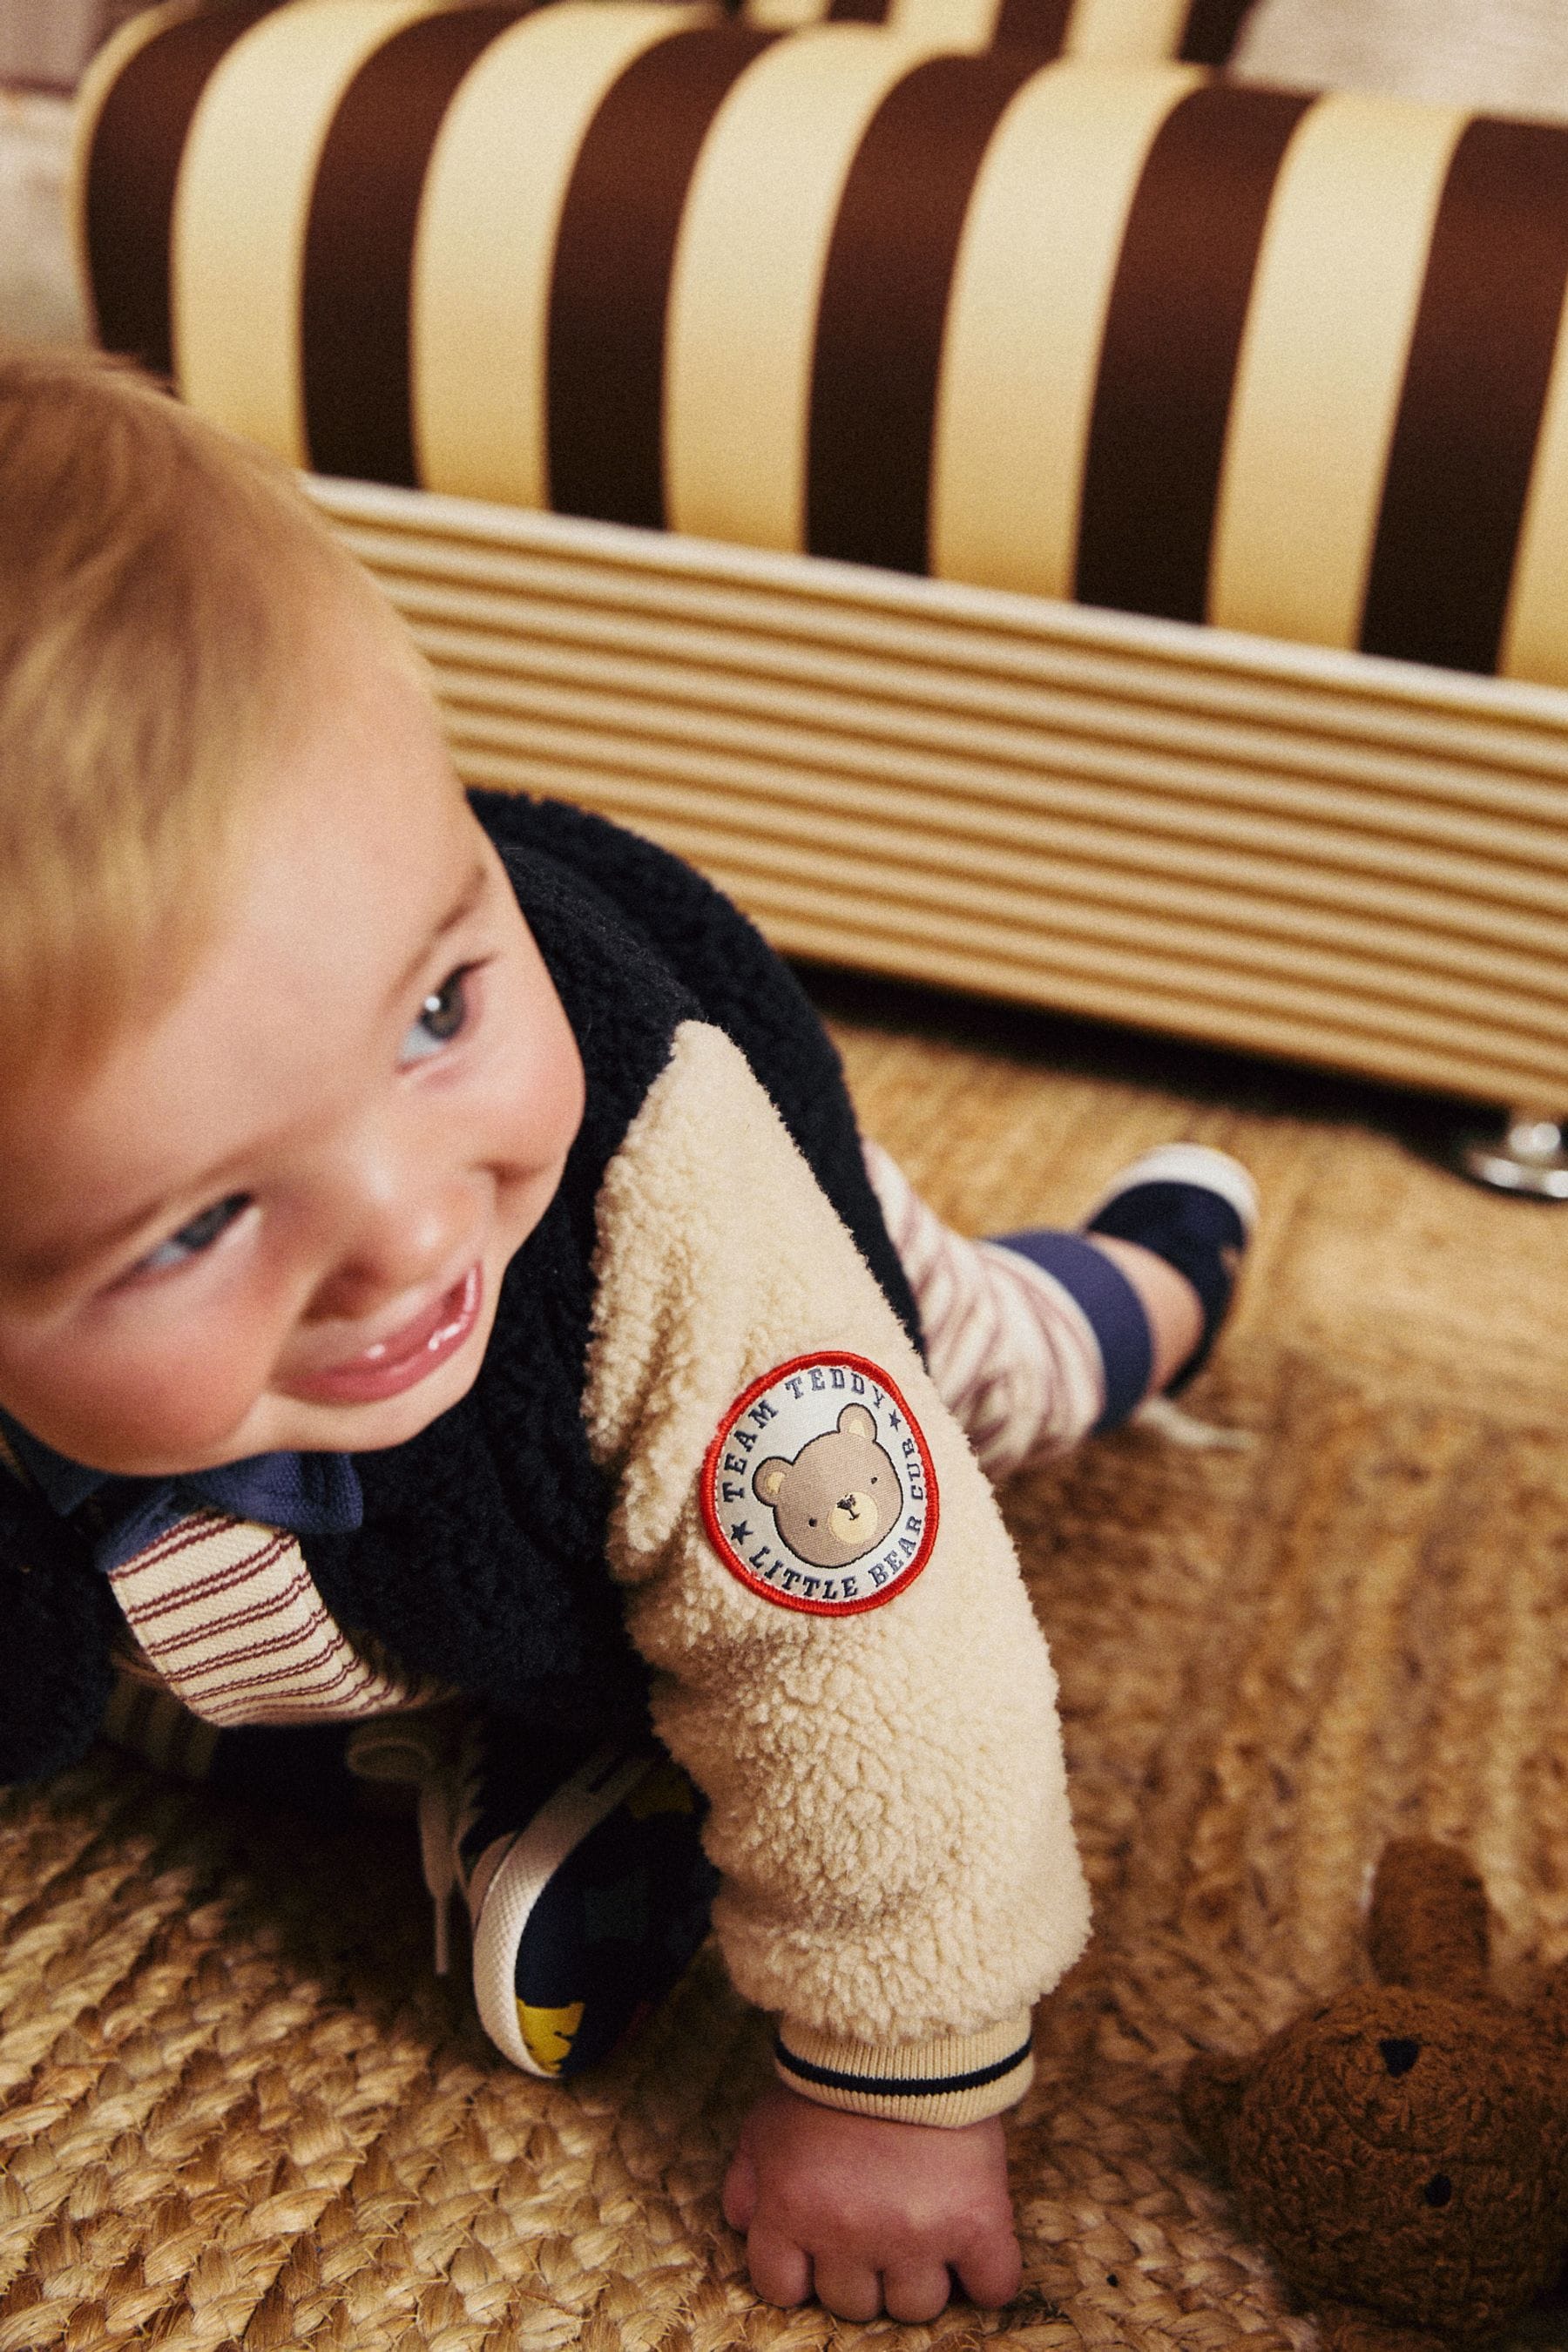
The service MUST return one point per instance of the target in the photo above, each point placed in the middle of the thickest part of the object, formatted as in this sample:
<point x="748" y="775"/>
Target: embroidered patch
<point x="819" y="1490"/>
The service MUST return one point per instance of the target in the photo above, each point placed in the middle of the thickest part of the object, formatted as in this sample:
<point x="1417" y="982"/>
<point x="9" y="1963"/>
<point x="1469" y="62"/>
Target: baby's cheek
<point x="542" y="1090"/>
<point x="195" y="1395"/>
<point x="141" y="1408"/>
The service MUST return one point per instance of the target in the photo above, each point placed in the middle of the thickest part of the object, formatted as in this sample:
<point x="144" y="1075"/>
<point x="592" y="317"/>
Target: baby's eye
<point x="192" y="1239"/>
<point x="443" y="1014"/>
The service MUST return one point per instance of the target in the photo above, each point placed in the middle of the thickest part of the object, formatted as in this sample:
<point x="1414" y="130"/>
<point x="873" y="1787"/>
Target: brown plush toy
<point x="1403" y="2151"/>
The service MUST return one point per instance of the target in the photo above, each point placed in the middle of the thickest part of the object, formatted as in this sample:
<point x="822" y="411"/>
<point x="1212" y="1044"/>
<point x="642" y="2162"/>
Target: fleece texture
<point x="888" y="1794"/>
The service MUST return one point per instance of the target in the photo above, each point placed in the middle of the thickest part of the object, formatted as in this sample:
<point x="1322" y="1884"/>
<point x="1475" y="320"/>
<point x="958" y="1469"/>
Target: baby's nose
<point x="402" y="1241"/>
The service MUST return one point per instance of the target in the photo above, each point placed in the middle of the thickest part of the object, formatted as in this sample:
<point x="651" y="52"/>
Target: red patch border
<point x="725" y="1550"/>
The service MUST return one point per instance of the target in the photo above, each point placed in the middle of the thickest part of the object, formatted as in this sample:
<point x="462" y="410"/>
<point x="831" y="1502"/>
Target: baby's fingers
<point x="781" y="2270"/>
<point x="848" y="2288"/>
<point x="739" y="2196"/>
<point x="992" y="2270"/>
<point x="916" y="2291"/>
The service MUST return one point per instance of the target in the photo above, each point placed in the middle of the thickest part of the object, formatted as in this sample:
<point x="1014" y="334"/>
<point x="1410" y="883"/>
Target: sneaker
<point x="1195" y="1208"/>
<point x="586" y="1903"/>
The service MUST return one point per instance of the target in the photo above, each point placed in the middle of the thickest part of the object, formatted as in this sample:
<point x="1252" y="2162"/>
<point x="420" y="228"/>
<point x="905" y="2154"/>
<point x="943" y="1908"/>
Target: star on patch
<point x="840" y="1471"/>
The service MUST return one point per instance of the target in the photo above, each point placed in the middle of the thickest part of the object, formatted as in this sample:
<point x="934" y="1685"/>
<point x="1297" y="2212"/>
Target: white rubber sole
<point x="1186" y="1163"/>
<point x="561" y="1825"/>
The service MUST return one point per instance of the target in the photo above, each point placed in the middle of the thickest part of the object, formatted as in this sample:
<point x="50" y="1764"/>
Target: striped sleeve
<point x="227" y="1619"/>
<point x="1101" y="328"/>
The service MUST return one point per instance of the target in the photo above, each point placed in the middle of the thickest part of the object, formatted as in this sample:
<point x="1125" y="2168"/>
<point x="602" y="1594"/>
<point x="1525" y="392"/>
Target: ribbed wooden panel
<point x="1345" y="861"/>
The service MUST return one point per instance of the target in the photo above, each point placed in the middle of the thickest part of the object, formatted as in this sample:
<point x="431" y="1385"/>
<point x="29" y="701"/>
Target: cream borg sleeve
<point x="866" y="1699"/>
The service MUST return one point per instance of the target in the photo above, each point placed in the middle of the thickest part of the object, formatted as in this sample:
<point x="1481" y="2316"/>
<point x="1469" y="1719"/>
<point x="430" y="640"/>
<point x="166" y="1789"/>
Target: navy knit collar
<point x="310" y="1494"/>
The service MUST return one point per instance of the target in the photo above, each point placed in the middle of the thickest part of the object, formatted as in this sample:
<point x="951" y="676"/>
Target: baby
<point x="440" y="1274"/>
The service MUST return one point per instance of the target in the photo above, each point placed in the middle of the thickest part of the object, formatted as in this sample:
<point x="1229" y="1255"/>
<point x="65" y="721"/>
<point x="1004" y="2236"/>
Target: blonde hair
<point x="164" y="591"/>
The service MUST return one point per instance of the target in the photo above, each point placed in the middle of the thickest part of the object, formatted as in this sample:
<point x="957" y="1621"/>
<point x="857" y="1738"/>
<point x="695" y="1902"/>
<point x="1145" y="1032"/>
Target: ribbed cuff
<point x="957" y="2078"/>
<point x="1110" y="1306"/>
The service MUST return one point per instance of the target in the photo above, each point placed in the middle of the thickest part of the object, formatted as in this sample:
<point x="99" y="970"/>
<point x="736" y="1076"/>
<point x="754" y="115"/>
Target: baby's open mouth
<point x="403" y="1358"/>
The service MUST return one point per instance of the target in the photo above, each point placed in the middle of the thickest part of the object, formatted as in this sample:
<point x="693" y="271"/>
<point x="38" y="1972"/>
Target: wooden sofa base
<point x="1348" y="862"/>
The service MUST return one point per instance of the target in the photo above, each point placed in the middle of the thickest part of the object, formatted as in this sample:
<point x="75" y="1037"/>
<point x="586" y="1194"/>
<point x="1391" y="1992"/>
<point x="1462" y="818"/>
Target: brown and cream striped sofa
<point x="1025" y="509"/>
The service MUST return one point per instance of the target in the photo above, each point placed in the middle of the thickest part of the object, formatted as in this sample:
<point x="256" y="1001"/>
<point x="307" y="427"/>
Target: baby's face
<point x="277" y="1215"/>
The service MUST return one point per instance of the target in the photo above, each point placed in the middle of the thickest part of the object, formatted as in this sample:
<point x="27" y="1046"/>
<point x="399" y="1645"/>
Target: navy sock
<point x="1110" y="1307"/>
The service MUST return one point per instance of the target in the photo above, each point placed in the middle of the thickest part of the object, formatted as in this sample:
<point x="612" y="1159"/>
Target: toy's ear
<point x="1429" y="1927"/>
<point x="1341" y="2328"/>
<point x="1213" y="2088"/>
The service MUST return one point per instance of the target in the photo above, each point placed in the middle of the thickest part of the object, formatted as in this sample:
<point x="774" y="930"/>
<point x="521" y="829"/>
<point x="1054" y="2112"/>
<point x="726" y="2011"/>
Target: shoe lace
<point x="440" y="1755"/>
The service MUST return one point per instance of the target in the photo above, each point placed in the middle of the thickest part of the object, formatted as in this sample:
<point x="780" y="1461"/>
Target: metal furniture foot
<point x="1528" y="1156"/>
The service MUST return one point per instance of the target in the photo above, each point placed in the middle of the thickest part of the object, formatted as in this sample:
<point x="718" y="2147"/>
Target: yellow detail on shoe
<point x="666" y="1790"/>
<point x="548" y="2033"/>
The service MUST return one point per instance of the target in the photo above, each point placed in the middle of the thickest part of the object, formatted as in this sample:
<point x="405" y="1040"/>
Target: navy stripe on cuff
<point x="1111" y="1307"/>
<point x="898" y="2086"/>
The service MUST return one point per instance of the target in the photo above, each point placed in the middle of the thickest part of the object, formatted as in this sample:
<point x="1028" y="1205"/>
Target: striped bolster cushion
<point x="1104" y="32"/>
<point x="1131" y="335"/>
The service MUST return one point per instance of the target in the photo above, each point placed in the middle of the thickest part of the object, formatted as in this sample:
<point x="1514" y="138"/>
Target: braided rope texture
<point x="236" y="2109"/>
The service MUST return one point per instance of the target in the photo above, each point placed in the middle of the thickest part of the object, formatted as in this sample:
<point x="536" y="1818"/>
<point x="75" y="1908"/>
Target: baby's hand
<point x="870" y="2215"/>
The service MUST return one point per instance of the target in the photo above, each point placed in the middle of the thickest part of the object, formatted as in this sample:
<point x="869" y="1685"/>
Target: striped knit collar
<point x="310" y="1494"/>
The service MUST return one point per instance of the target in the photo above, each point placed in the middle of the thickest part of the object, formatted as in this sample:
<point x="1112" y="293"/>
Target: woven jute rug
<point x="236" y="2107"/>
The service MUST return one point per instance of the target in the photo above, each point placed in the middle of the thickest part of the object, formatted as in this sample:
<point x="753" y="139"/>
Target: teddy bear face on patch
<point x="838" y="1496"/>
